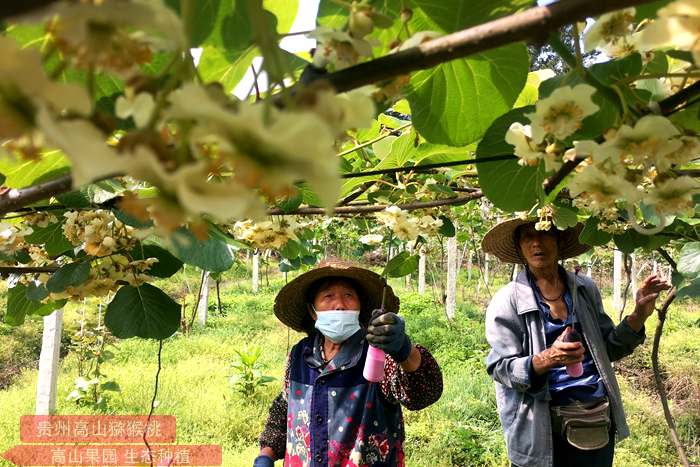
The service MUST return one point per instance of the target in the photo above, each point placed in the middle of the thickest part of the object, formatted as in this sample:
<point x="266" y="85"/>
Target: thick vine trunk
<point x="658" y="379"/>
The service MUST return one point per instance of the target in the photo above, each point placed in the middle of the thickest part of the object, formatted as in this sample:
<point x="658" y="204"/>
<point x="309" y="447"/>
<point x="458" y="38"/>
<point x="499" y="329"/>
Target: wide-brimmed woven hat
<point x="500" y="241"/>
<point x="291" y="303"/>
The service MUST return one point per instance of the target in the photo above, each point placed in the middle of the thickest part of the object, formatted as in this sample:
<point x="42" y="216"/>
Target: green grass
<point x="461" y="429"/>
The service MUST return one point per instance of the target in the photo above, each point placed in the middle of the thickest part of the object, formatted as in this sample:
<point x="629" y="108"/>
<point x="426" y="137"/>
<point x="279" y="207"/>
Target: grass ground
<point x="461" y="429"/>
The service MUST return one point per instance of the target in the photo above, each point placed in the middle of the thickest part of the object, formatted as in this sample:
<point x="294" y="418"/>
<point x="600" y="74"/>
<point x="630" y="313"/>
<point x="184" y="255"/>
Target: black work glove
<point x="387" y="331"/>
<point x="263" y="461"/>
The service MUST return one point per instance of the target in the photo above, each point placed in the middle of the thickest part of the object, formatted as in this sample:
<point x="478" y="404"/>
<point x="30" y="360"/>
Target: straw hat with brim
<point x="291" y="303"/>
<point x="500" y="241"/>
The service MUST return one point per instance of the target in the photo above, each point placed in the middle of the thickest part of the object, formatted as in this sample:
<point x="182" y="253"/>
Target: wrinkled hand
<point x="559" y="354"/>
<point x="263" y="461"/>
<point x="647" y="294"/>
<point x="387" y="331"/>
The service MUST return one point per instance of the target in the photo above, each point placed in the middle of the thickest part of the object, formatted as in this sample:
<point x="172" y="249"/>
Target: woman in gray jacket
<point x="551" y="350"/>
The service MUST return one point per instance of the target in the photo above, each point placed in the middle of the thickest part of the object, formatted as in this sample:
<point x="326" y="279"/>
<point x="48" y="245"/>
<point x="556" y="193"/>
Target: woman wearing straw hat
<point x="551" y="350"/>
<point x="328" y="413"/>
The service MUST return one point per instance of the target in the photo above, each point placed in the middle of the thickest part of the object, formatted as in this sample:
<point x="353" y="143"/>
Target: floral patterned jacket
<point x="331" y="416"/>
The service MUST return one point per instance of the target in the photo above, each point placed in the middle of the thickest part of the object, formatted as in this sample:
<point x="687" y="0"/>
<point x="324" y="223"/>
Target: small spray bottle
<point x="573" y="369"/>
<point x="374" y="364"/>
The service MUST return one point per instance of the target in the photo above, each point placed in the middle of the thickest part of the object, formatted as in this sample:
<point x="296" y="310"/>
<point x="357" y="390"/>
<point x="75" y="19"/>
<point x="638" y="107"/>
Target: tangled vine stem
<point x="456" y="201"/>
<point x="660" y="388"/>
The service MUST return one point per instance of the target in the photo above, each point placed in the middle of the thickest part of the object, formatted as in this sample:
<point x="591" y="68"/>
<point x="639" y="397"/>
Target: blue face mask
<point x="338" y="325"/>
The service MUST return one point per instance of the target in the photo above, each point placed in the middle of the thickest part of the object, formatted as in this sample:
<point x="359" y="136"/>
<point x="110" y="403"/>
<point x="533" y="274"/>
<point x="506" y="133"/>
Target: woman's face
<point x="539" y="247"/>
<point x="337" y="295"/>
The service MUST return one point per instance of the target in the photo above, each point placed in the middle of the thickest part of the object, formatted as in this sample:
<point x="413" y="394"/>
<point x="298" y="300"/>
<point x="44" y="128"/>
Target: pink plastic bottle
<point x="374" y="365"/>
<point x="574" y="369"/>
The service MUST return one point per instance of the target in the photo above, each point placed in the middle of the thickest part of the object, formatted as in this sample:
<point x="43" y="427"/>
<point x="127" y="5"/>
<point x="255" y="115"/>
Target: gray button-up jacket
<point x="515" y="332"/>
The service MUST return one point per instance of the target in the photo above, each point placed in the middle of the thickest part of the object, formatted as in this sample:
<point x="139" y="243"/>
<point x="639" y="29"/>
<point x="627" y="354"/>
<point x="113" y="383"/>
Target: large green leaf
<point x="167" y="264"/>
<point x="227" y="68"/>
<point x="21" y="174"/>
<point x="401" y="265"/>
<point x="19" y="306"/>
<point x="454" y="103"/>
<point x="51" y="237"/>
<point x="508" y="185"/>
<point x="591" y="235"/>
<point x="689" y="262"/>
<point x="70" y="275"/>
<point x="144" y="311"/>
<point x="213" y="254"/>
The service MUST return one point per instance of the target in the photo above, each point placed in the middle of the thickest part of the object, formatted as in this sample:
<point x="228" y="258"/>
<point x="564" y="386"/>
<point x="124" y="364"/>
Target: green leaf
<point x="447" y="229"/>
<point x="214" y="254"/>
<point x="144" y="311"/>
<point x="19" y="306"/>
<point x="287" y="265"/>
<point x="564" y="217"/>
<point x="689" y="261"/>
<point x="206" y="17"/>
<point x="36" y="293"/>
<point x="167" y="264"/>
<point x="690" y="290"/>
<point x="69" y="275"/>
<point x="648" y="10"/>
<point x="226" y="68"/>
<point x="508" y="185"/>
<point x="52" y="239"/>
<point x="401" y="265"/>
<point x="110" y="386"/>
<point x="442" y="190"/>
<point x="591" y="235"/>
<point x="630" y="241"/>
<point x="456" y="102"/>
<point x="20" y="174"/>
<point x="292" y="202"/>
<point x="291" y="249"/>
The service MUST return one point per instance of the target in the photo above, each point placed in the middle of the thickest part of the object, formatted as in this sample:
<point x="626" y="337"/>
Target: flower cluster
<point x="613" y="34"/>
<point x="12" y="238"/>
<point x="107" y="274"/>
<point x="371" y="239"/>
<point x="407" y="227"/>
<point x="113" y="35"/>
<point x="207" y="155"/>
<point x="677" y="26"/>
<point x="98" y="232"/>
<point x="634" y="165"/>
<point x="556" y="118"/>
<point x="272" y="234"/>
<point x="336" y="50"/>
<point x="545" y="215"/>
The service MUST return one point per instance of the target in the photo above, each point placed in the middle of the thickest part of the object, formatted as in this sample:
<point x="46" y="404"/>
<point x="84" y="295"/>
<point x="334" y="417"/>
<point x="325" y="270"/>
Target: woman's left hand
<point x="387" y="331"/>
<point x="647" y="294"/>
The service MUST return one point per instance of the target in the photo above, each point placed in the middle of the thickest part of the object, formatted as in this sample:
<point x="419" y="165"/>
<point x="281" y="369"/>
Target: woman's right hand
<point x="559" y="354"/>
